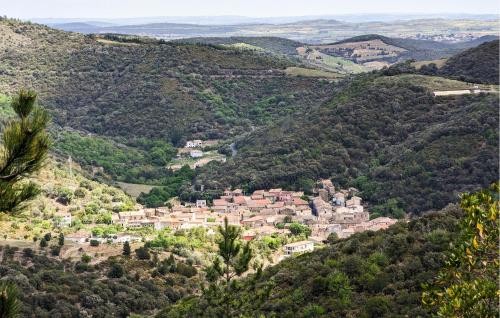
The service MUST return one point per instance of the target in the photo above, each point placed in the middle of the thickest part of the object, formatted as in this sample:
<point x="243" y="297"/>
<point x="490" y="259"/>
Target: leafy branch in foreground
<point x="467" y="287"/>
<point x="24" y="148"/>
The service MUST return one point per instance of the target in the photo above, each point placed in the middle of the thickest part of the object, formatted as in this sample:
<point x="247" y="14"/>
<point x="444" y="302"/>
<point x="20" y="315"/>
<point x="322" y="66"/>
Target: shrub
<point x="28" y="252"/>
<point x="43" y="243"/>
<point x="116" y="270"/>
<point x="143" y="253"/>
<point x="55" y="250"/>
<point x="86" y="258"/>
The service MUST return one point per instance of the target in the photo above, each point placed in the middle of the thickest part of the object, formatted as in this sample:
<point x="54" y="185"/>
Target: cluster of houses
<point x="265" y="212"/>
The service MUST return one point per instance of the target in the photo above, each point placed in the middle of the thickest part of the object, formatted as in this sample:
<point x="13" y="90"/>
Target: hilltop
<point x="268" y="43"/>
<point x="478" y="64"/>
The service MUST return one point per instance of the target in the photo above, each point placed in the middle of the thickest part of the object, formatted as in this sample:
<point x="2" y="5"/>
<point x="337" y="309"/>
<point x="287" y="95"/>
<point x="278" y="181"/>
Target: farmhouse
<point x="201" y="203"/>
<point x="298" y="247"/>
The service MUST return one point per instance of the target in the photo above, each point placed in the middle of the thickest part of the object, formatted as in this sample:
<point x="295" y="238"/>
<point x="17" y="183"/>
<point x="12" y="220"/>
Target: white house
<point x="122" y="238"/>
<point x="201" y="203"/>
<point x="194" y="143"/>
<point x="196" y="153"/>
<point x="62" y="219"/>
<point x="79" y="237"/>
<point x="298" y="247"/>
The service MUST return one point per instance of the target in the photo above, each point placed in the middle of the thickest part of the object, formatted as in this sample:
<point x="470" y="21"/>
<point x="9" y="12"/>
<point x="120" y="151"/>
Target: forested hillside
<point x="119" y="287"/>
<point x="371" y="274"/>
<point x="385" y="135"/>
<point x="477" y="65"/>
<point x="133" y="86"/>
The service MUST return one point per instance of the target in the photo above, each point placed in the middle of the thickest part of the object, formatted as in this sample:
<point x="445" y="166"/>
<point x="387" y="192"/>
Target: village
<point x="260" y="213"/>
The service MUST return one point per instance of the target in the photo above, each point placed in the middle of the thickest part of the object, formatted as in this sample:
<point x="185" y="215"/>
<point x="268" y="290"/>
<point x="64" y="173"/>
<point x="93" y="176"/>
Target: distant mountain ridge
<point x="235" y="19"/>
<point x="318" y="30"/>
<point x="419" y="44"/>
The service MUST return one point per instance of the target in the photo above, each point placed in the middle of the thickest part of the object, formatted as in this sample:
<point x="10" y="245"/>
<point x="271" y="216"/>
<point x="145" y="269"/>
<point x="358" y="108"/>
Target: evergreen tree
<point x="233" y="260"/>
<point x="143" y="253"/>
<point x="61" y="239"/>
<point x="24" y="149"/>
<point x="43" y="243"/>
<point x="126" y="249"/>
<point x="9" y="303"/>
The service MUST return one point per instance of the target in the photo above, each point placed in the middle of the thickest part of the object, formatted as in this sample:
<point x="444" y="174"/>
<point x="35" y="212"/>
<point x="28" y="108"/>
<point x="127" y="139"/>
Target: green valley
<point x="286" y="168"/>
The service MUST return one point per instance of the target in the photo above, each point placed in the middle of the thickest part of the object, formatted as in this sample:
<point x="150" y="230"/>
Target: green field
<point x="208" y="156"/>
<point x="134" y="189"/>
<point x="345" y="65"/>
<point x="308" y="72"/>
<point x="434" y="83"/>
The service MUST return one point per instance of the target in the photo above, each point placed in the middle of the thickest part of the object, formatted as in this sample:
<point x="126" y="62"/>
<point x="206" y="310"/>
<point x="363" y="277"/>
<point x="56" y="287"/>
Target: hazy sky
<point x="253" y="8"/>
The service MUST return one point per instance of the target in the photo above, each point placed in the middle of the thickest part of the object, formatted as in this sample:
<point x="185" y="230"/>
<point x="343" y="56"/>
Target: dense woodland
<point x="141" y="161"/>
<point x="119" y="287"/>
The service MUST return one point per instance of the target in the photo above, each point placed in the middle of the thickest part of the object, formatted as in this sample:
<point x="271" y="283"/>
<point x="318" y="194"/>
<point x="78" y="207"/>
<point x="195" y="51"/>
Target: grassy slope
<point x="90" y="200"/>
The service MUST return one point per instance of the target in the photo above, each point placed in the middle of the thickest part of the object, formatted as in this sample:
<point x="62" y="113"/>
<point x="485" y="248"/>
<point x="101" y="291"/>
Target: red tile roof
<point x="220" y="202"/>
